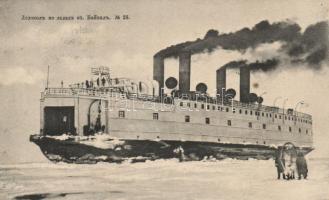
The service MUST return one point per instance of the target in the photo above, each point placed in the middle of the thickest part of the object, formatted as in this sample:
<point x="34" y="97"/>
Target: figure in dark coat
<point x="87" y="84"/>
<point x="103" y="81"/>
<point x="279" y="164"/>
<point x="301" y="166"/>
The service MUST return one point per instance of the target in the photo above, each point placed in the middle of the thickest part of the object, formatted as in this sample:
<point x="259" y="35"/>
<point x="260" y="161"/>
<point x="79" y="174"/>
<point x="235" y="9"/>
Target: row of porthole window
<point x="207" y="121"/>
<point x="250" y="112"/>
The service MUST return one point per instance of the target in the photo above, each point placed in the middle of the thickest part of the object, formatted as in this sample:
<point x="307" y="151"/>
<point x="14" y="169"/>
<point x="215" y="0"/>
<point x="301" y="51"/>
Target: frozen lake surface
<point x="161" y="179"/>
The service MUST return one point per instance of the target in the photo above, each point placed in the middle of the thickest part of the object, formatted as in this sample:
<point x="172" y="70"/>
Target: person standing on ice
<point x="180" y="152"/>
<point x="301" y="166"/>
<point x="289" y="155"/>
<point x="279" y="164"/>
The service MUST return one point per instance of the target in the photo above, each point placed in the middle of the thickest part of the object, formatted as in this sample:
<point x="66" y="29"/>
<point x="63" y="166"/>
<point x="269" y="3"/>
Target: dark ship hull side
<point x="73" y="151"/>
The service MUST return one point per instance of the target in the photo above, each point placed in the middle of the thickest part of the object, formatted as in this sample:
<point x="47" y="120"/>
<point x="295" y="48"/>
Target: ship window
<point x="181" y="104"/>
<point x="155" y="116"/>
<point x="195" y="105"/>
<point x="227" y="109"/>
<point x="263" y="114"/>
<point x="187" y="118"/>
<point x="285" y="117"/>
<point x="240" y="111"/>
<point x="208" y="107"/>
<point x="289" y="129"/>
<point x="279" y="116"/>
<point x="299" y="130"/>
<point x="188" y="105"/>
<point x="218" y="108"/>
<point x="251" y="112"/>
<point x="275" y="116"/>
<point x="288" y="118"/>
<point x="229" y="122"/>
<point x="266" y="114"/>
<point x="202" y="106"/>
<point x="207" y="120"/>
<point x="250" y="125"/>
<point x="121" y="114"/>
<point x="279" y="128"/>
<point x="306" y="131"/>
<point x="213" y="107"/>
<point x="233" y="110"/>
<point x="264" y="126"/>
<point x="270" y="115"/>
<point x="246" y="112"/>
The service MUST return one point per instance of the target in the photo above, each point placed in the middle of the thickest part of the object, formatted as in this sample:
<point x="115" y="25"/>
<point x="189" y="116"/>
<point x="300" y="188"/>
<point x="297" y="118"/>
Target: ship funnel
<point x="158" y="72"/>
<point x="221" y="80"/>
<point x="244" y="84"/>
<point x="184" y="71"/>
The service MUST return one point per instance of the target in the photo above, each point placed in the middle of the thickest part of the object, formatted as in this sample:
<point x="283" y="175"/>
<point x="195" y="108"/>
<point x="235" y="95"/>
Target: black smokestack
<point x="221" y="80"/>
<point x="184" y="71"/>
<point x="244" y="84"/>
<point x="158" y="71"/>
<point x="245" y="69"/>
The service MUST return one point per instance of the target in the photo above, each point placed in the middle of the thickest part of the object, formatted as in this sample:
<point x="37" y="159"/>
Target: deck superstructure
<point x="155" y="126"/>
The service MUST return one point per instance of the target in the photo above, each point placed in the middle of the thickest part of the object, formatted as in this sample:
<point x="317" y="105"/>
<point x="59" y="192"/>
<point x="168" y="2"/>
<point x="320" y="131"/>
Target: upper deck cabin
<point x="207" y="104"/>
<point x="108" y="90"/>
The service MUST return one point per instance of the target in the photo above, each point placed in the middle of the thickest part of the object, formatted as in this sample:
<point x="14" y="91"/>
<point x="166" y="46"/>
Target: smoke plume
<point x="309" y="47"/>
<point x="265" y="66"/>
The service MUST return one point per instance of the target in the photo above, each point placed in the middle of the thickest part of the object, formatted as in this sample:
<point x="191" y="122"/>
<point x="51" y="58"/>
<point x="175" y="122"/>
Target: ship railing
<point x="272" y="109"/>
<point x="74" y="92"/>
<point x="95" y="93"/>
<point x="253" y="106"/>
<point x="111" y="92"/>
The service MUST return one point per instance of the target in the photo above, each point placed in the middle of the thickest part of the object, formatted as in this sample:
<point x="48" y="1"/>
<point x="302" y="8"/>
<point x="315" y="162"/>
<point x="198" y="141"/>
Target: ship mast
<point x="47" y="78"/>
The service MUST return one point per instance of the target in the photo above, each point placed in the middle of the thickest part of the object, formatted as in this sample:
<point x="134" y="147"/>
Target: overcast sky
<point x="127" y="46"/>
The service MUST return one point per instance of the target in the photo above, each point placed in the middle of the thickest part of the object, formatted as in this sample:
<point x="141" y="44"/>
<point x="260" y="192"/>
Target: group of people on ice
<point x="290" y="163"/>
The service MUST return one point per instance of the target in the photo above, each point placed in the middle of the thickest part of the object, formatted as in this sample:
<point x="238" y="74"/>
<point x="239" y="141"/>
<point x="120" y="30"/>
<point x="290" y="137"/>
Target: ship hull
<point x="75" y="149"/>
